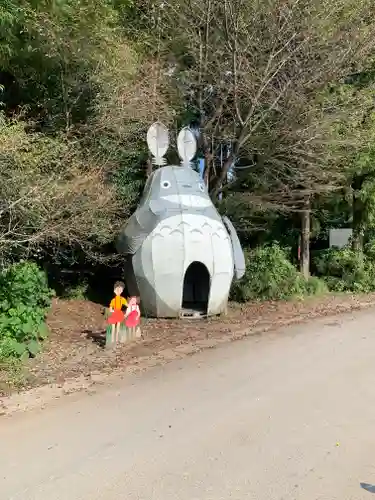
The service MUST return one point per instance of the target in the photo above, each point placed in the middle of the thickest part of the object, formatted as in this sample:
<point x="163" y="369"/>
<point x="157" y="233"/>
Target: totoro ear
<point x="186" y="145"/>
<point x="158" y="142"/>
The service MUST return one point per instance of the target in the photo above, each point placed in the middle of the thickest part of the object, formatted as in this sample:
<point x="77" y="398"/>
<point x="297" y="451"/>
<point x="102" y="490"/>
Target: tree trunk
<point x="219" y="180"/>
<point x="149" y="167"/>
<point x="305" y="240"/>
<point x="208" y="159"/>
<point x="357" y="240"/>
<point x="358" y="209"/>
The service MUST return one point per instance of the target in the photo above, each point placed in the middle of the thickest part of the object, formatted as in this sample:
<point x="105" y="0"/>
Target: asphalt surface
<point x="287" y="416"/>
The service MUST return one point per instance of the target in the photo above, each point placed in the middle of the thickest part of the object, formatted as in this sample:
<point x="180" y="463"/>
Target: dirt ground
<point x="73" y="349"/>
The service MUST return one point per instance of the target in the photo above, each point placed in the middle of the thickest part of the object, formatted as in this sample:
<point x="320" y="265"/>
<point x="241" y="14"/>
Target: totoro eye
<point x="166" y="184"/>
<point x="202" y="187"/>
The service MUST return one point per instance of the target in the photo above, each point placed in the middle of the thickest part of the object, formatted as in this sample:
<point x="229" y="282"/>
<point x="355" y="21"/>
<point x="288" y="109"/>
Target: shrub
<point x="345" y="270"/>
<point x="24" y="283"/>
<point x="271" y="276"/>
<point x="24" y="299"/>
<point x="316" y="286"/>
<point x="369" y="249"/>
<point x="77" y="292"/>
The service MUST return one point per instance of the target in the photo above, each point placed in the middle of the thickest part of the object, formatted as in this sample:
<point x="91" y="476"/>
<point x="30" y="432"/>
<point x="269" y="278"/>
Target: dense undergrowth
<point x="24" y="301"/>
<point x="270" y="275"/>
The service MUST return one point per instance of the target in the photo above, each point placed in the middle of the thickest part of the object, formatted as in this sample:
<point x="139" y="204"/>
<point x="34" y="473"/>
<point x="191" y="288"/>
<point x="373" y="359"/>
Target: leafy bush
<point x="77" y="292"/>
<point x="271" y="276"/>
<point x="24" y="299"/>
<point x="369" y="249"/>
<point x="345" y="270"/>
<point x="24" y="283"/>
<point x="316" y="286"/>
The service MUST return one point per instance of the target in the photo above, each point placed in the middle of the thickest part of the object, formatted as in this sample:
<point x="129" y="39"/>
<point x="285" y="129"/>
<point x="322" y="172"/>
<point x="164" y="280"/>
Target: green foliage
<point x="129" y="178"/>
<point x="24" y="283"/>
<point x="53" y="50"/>
<point x="78" y="292"/>
<point x="352" y="126"/>
<point x="271" y="276"/>
<point x="315" y="286"/>
<point x="345" y="270"/>
<point x="369" y="249"/>
<point x="24" y="300"/>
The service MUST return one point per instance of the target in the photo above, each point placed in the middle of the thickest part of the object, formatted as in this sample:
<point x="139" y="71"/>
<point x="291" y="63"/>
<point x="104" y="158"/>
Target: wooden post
<point x="149" y="167"/>
<point x="305" y="240"/>
<point x="358" y="209"/>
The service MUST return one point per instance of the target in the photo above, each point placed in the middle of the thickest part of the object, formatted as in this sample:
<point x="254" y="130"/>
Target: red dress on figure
<point x="132" y="319"/>
<point x="116" y="317"/>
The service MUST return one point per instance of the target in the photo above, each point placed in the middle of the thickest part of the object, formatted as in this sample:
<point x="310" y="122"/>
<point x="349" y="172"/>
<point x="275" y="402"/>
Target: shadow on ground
<point x="97" y="337"/>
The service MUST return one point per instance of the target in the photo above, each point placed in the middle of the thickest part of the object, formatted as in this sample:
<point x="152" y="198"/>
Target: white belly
<point x="180" y="240"/>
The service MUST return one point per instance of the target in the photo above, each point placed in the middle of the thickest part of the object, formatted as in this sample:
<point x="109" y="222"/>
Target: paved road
<point x="289" y="416"/>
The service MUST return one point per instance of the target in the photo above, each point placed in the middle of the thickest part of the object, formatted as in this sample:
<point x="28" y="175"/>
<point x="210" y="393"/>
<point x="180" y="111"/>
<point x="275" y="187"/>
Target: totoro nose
<point x="187" y="185"/>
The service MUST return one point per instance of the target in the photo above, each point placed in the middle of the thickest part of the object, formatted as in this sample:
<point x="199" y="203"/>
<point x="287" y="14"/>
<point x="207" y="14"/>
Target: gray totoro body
<point x="180" y="252"/>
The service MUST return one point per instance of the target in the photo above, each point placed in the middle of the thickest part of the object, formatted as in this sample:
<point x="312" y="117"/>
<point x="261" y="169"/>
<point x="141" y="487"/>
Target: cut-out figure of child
<point x="133" y="316"/>
<point x="118" y="303"/>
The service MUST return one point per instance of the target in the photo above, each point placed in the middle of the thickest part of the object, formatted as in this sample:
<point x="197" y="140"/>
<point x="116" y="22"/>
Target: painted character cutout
<point x="118" y="303"/>
<point x="133" y="316"/>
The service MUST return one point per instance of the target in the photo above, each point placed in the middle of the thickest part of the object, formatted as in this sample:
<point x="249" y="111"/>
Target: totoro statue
<point x="181" y="255"/>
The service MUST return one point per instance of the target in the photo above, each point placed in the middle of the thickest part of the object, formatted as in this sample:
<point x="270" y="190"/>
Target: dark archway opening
<point x="196" y="288"/>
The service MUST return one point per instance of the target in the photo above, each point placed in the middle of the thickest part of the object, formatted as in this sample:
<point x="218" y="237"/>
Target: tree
<point x="354" y="132"/>
<point x="253" y="71"/>
<point x="77" y="101"/>
<point x="51" y="194"/>
<point x="52" y="51"/>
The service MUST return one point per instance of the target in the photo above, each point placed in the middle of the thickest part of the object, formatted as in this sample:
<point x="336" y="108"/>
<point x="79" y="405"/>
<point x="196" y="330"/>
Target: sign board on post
<point x="339" y="238"/>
